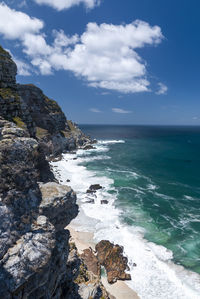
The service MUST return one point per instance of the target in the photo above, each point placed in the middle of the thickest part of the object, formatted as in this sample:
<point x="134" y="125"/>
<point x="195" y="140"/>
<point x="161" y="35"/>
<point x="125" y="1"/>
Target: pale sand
<point x="84" y="240"/>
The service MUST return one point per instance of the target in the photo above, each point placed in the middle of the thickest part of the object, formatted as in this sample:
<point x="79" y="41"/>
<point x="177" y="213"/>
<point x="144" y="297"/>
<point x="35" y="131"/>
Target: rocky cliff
<point x="36" y="260"/>
<point x="31" y="110"/>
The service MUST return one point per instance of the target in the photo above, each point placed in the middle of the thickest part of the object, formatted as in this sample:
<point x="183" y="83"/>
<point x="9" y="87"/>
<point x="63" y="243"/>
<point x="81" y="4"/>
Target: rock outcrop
<point x="35" y="256"/>
<point x="31" y="110"/>
<point x="33" y="243"/>
<point x="88" y="279"/>
<point x="8" y="70"/>
<point x="111" y="257"/>
<point x="91" y="261"/>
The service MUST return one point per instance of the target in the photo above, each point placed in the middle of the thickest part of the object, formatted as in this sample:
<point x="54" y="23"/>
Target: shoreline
<point x="157" y="275"/>
<point x="84" y="240"/>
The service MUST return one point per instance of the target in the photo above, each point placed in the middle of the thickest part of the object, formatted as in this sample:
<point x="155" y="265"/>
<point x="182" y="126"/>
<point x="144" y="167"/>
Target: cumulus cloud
<point x="66" y="4"/>
<point x="162" y="89"/>
<point x="104" y="56"/>
<point x="119" y="110"/>
<point x="95" y="110"/>
<point x="14" y="24"/>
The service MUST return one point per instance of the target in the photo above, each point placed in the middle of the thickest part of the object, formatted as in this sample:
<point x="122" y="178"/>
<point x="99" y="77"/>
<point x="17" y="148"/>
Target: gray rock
<point x="58" y="203"/>
<point x="35" y="256"/>
<point x="8" y="70"/>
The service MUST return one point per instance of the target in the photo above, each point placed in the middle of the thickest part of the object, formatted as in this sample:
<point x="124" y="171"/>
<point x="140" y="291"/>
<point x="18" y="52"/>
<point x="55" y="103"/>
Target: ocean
<point x="150" y="178"/>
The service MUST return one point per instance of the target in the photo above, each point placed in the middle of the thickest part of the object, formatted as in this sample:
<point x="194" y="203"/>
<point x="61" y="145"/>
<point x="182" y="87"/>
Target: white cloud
<point x="22" y="3"/>
<point x="105" y="55"/>
<point x="62" y="40"/>
<point x="162" y="89"/>
<point x="66" y="4"/>
<point x="14" y="24"/>
<point x="23" y="69"/>
<point x="122" y="111"/>
<point x="106" y="58"/>
<point x="95" y="110"/>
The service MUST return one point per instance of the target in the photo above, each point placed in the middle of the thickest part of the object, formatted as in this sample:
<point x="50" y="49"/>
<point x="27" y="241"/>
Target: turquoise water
<point x="156" y="176"/>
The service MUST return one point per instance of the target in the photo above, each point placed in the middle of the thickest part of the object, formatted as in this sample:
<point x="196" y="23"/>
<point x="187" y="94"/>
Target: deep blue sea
<point x="156" y="174"/>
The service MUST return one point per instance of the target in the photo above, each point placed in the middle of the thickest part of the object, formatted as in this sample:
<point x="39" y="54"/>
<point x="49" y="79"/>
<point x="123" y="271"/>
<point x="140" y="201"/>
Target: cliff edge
<point x="36" y="259"/>
<point x="31" y="110"/>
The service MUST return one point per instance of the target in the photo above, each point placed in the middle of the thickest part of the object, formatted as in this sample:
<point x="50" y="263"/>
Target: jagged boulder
<point x="91" y="261"/>
<point x="111" y="257"/>
<point x="58" y="203"/>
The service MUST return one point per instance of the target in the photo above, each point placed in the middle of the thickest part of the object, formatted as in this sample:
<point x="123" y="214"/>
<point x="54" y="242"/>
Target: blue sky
<point x="109" y="61"/>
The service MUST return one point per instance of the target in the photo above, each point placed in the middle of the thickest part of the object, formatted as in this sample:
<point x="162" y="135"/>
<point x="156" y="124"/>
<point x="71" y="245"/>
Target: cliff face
<point x="33" y="243"/>
<point x="34" y="246"/>
<point x="31" y="110"/>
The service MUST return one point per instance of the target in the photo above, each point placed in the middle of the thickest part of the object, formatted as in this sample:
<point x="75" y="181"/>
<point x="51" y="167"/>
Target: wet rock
<point x="89" y="200"/>
<point x="55" y="159"/>
<point x="104" y="202"/>
<point x="94" y="188"/>
<point x="94" y="141"/>
<point x="90" y="191"/>
<point x="111" y="257"/>
<point x="88" y="147"/>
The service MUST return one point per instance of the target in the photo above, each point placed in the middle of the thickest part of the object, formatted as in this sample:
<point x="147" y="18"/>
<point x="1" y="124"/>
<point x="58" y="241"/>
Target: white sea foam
<point x="155" y="276"/>
<point x="130" y="173"/>
<point x="152" y="187"/>
<point x="110" y="141"/>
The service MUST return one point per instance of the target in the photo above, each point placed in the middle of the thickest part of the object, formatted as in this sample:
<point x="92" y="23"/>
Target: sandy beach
<point x="83" y="240"/>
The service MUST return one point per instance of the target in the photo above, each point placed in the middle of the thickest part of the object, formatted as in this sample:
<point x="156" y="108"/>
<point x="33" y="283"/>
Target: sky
<point x="109" y="61"/>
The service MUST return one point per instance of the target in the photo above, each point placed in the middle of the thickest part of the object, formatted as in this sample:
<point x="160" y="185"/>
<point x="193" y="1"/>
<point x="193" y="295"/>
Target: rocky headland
<point x="37" y="259"/>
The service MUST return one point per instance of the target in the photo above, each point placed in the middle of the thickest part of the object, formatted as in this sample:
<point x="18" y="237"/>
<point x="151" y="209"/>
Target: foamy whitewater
<point x="155" y="276"/>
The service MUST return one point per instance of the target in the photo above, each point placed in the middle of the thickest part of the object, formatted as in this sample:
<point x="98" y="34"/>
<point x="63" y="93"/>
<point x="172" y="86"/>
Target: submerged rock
<point x="94" y="188"/>
<point x="104" y="202"/>
<point x="111" y="257"/>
